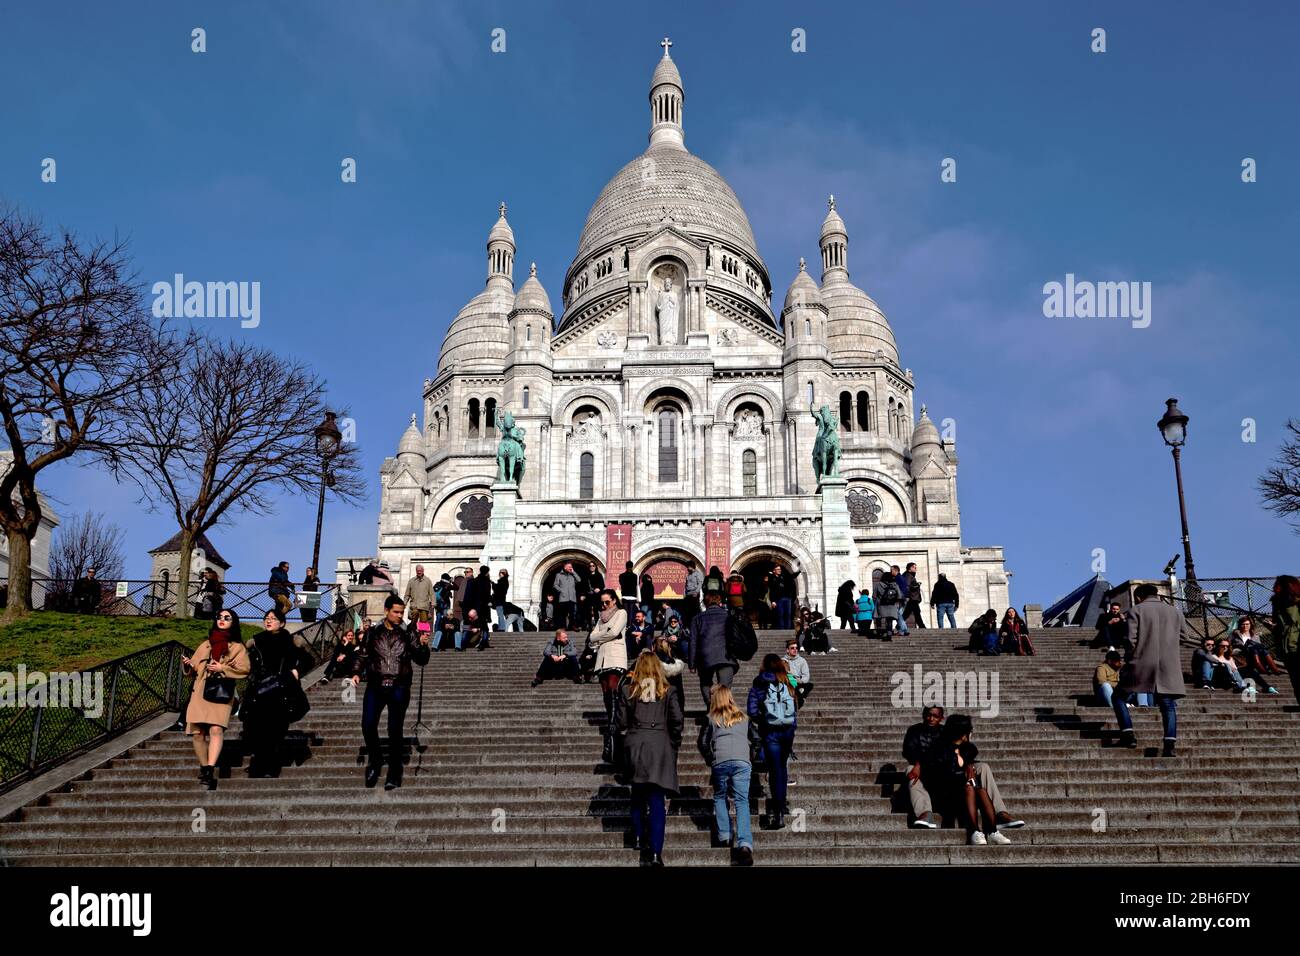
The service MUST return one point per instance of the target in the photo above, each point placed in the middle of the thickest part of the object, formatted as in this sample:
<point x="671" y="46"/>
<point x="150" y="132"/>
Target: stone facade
<point x="669" y="392"/>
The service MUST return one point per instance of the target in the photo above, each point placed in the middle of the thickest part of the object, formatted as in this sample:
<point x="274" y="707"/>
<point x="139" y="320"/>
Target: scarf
<point x="606" y="614"/>
<point x="218" y="642"/>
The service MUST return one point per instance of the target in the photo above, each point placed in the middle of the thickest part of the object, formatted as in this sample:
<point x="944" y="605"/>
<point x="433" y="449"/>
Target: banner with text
<point x="618" y="551"/>
<point x="717" y="545"/>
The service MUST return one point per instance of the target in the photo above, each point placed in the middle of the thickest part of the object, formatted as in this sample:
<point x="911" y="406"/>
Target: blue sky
<point x="1116" y="166"/>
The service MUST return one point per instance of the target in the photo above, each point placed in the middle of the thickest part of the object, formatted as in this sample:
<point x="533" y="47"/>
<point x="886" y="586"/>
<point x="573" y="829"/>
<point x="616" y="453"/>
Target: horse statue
<point x="510" y="451"/>
<point x="826" y="448"/>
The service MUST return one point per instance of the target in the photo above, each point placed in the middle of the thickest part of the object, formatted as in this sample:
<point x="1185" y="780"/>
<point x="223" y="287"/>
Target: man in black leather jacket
<point x="385" y="658"/>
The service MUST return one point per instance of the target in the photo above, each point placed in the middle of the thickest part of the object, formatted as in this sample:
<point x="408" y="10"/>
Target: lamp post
<point x="1173" y="428"/>
<point x="328" y="437"/>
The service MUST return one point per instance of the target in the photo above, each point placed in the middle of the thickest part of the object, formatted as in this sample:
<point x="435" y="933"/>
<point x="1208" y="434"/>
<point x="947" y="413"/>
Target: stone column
<point x="499" y="552"/>
<point x="839" y="550"/>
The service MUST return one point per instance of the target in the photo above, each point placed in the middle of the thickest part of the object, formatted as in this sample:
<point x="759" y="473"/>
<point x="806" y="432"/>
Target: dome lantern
<point x="501" y="252"/>
<point x="666" y="98"/>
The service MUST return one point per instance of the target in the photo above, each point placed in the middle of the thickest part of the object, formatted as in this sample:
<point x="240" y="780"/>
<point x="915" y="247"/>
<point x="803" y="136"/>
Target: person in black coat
<point x="846" y="607"/>
<point x="647" y="594"/>
<point x="310" y="582"/>
<point x="500" y="591"/>
<point x="478" y="595"/>
<point x="87" y="594"/>
<point x="949" y="773"/>
<point x="595" y="584"/>
<point x="272" y="653"/>
<point x="648" y="716"/>
<point x="344" y="654"/>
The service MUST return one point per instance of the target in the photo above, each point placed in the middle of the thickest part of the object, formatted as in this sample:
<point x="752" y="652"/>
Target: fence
<point x="39" y="733"/>
<point x="158" y="598"/>
<point x="1213" y="605"/>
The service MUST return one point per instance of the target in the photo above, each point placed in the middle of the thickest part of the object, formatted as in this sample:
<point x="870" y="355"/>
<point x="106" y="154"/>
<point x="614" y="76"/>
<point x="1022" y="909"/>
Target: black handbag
<point x="219" y="690"/>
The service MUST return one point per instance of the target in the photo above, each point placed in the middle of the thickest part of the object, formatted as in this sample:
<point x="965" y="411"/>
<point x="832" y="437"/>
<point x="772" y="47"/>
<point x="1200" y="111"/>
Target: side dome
<point x="479" y="336"/>
<point x="856" y="328"/>
<point x="926" y="434"/>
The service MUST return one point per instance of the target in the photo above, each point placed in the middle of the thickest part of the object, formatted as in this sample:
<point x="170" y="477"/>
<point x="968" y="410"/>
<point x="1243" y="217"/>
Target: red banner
<point x="618" y="551"/>
<point x="717" y="545"/>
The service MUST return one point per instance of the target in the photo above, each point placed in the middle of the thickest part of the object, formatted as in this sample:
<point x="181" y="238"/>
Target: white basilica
<point x="669" y="400"/>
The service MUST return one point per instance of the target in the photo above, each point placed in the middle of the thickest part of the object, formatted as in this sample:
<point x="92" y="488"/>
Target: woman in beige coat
<point x="611" y="659"/>
<point x="222" y="655"/>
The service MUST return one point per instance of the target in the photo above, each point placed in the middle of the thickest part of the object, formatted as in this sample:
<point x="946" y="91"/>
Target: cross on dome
<point x="532" y="271"/>
<point x="665" y="43"/>
<point x="829" y="202"/>
<point x="502" y="210"/>
<point x="803" y="266"/>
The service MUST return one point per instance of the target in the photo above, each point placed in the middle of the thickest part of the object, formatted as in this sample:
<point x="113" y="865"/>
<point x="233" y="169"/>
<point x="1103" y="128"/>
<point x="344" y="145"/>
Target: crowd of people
<point x="1143" y="663"/>
<point x="640" y="651"/>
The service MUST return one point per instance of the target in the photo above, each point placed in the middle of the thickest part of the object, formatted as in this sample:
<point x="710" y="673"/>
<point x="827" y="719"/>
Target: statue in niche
<point x="666" y="314"/>
<point x="588" y="428"/>
<point x="749" y="424"/>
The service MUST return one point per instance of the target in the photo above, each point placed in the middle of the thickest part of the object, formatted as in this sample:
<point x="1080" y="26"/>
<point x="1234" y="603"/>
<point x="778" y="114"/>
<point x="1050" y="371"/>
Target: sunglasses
<point x="224" y="617"/>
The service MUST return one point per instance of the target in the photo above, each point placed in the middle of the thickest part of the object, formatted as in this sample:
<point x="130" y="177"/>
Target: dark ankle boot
<point x="207" y="778"/>
<point x="607" y="751"/>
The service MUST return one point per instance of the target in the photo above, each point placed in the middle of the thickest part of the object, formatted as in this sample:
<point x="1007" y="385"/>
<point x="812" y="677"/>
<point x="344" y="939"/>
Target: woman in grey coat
<point x="648" y="717"/>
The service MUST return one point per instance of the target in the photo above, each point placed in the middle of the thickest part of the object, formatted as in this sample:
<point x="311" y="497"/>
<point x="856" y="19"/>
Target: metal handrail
<point x="158" y="597"/>
<point x="137" y="688"/>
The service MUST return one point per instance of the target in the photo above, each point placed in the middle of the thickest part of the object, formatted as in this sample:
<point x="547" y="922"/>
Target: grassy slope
<point x="51" y="640"/>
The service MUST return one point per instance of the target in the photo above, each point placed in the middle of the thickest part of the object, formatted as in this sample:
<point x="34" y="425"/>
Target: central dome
<point x="666" y="178"/>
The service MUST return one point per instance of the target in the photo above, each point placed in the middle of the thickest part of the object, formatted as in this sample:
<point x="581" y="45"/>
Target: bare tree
<point x="1280" y="485"/>
<point x="84" y="541"/>
<point x="75" y="339"/>
<point x="223" y="433"/>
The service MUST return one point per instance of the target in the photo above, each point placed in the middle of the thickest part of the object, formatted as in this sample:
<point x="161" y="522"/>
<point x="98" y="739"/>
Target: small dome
<point x="803" y="290"/>
<point x="666" y="72"/>
<point x="531" y="295"/>
<point x="501" y="231"/>
<point x="411" y="443"/>
<point x="925" y="434"/>
<point x="833" y="225"/>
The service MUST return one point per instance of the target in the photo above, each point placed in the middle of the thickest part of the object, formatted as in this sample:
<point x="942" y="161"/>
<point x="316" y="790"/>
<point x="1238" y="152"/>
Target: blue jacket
<point x="866" y="608"/>
<point x="708" y="646"/>
<point x="279" y="581"/>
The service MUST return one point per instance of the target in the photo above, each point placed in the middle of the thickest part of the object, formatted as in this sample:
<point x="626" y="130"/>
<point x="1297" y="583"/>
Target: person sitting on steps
<point x="917" y="742"/>
<point x="559" y="660"/>
<point x="949" y="774"/>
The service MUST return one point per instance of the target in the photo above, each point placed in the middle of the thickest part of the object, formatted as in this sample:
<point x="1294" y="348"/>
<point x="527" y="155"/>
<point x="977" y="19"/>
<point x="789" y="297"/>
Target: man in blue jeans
<point x="1154" y="667"/>
<point x="944" y="600"/>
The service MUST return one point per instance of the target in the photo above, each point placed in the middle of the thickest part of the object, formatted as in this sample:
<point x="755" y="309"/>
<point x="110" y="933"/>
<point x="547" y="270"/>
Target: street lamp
<point x="1173" y="427"/>
<point x="328" y="437"/>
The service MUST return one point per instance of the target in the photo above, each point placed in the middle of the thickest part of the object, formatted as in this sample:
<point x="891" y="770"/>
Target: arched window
<point x="525" y="396"/>
<point x="807" y="328"/>
<point x="846" y="411"/>
<point x="490" y="413"/>
<point x="586" y="475"/>
<point x="473" y="418"/>
<point x="528" y="333"/>
<point x="437" y="424"/>
<point x="812" y="395"/>
<point x="864" y="412"/>
<point x="749" y="472"/>
<point x="667" y="418"/>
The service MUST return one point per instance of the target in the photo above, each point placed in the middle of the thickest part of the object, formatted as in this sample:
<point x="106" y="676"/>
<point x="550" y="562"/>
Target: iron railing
<point x="1213" y="606"/>
<point x="158" y="598"/>
<point x="39" y="732"/>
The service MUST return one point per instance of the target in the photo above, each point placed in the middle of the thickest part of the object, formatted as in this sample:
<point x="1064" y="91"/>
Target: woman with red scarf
<point x="1015" y="635"/>
<point x="222" y="657"/>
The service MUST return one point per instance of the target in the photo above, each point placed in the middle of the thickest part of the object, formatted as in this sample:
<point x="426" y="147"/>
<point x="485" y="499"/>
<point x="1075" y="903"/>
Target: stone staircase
<point x="502" y="774"/>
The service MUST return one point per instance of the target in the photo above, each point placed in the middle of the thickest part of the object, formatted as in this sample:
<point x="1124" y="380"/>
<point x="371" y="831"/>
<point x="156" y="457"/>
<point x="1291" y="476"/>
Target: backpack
<point x="778" y="705"/>
<point x="914" y="591"/>
<point x="742" y="642"/>
<point x="890" y="594"/>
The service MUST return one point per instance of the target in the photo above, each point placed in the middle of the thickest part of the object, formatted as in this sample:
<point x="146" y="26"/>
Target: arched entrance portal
<point x="544" y="592"/>
<point x="755" y="567"/>
<point x="667" y="569"/>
